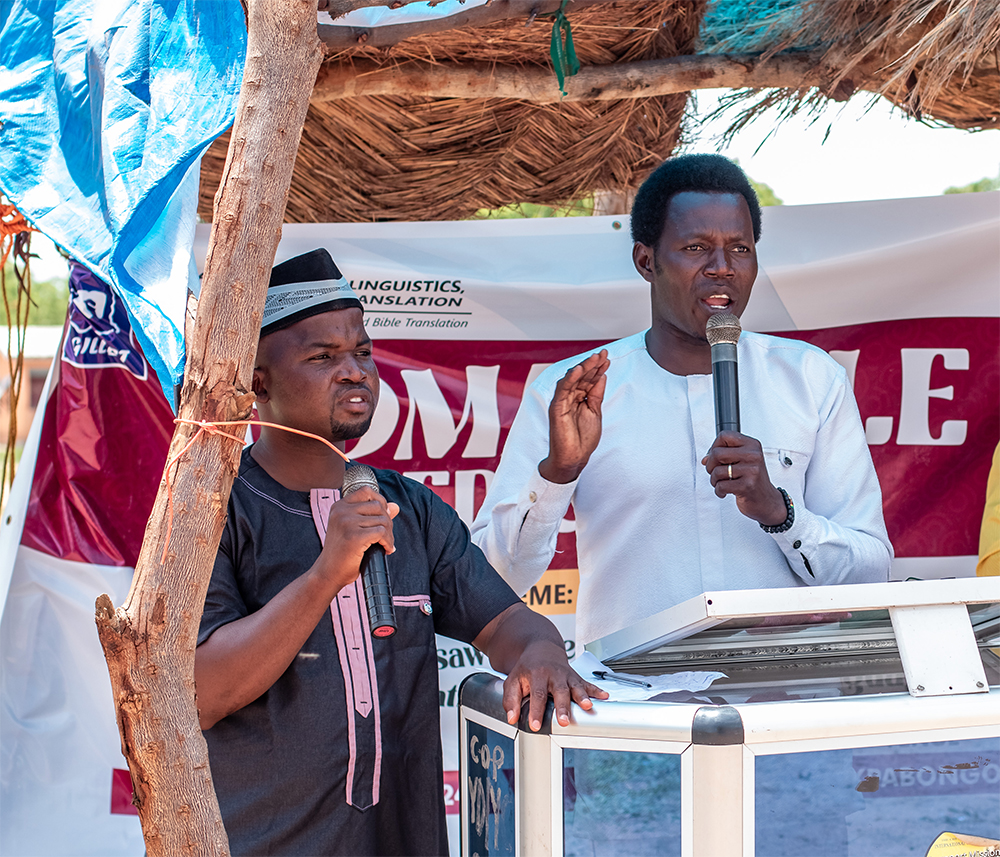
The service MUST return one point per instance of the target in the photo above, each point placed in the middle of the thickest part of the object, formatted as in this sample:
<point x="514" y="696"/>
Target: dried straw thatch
<point x="440" y="120"/>
<point x="939" y="60"/>
<point x="394" y="157"/>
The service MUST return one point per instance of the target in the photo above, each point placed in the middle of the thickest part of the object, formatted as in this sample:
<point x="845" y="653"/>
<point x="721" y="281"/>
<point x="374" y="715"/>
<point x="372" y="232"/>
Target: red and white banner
<point x="904" y="293"/>
<point x="101" y="436"/>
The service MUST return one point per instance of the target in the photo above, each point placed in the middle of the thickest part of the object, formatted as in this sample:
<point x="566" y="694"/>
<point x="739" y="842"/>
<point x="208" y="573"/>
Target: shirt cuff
<point x="546" y="502"/>
<point x="799" y="543"/>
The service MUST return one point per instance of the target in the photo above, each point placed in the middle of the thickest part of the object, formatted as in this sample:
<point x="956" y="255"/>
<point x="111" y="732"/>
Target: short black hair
<point x="699" y="173"/>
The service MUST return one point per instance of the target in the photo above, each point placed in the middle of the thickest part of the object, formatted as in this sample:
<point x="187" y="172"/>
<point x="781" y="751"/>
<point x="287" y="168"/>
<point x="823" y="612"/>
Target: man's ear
<point x="259" y="384"/>
<point x="644" y="260"/>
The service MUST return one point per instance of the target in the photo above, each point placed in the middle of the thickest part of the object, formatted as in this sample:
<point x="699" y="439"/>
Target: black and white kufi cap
<point x="304" y="286"/>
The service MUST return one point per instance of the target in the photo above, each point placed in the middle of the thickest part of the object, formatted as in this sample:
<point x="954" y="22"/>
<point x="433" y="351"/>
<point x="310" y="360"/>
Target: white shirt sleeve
<point x="518" y="523"/>
<point x="839" y="533"/>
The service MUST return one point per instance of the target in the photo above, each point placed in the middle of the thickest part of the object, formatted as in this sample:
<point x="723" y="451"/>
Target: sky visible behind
<point x="873" y="151"/>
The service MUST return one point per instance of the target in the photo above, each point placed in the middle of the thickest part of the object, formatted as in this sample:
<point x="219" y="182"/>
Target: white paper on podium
<point x="586" y="664"/>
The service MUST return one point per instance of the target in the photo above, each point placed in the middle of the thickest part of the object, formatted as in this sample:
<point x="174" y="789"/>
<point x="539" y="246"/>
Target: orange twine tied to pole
<point x="12" y="223"/>
<point x="15" y="240"/>
<point x="212" y="428"/>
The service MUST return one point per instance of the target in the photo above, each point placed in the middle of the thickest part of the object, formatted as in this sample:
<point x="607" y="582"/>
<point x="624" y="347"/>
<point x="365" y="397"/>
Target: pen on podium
<point x="606" y="676"/>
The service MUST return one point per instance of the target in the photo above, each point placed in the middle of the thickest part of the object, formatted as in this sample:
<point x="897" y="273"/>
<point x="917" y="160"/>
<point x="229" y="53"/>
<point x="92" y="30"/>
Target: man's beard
<point x="350" y="431"/>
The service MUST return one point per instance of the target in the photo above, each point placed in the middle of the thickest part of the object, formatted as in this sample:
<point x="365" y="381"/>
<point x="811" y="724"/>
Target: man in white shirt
<point x="665" y="509"/>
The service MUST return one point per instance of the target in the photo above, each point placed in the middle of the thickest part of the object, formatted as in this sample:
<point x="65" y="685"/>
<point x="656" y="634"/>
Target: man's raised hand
<point x="575" y="419"/>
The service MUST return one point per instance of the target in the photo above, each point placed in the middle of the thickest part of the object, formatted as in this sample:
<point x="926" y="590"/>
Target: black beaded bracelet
<point x="789" y="518"/>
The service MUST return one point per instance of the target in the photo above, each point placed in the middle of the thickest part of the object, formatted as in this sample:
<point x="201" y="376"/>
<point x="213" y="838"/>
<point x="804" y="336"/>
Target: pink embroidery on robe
<point x="357" y="660"/>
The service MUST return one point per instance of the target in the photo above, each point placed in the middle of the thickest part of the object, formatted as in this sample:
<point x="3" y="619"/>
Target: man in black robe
<point x="322" y="739"/>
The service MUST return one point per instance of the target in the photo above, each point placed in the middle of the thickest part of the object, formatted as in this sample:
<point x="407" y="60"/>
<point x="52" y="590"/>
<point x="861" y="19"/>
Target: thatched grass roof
<point x="389" y="157"/>
<point x="439" y="120"/>
<point x="938" y="60"/>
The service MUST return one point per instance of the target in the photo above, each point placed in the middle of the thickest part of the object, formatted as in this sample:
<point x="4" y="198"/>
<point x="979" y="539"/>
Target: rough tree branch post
<point x="149" y="642"/>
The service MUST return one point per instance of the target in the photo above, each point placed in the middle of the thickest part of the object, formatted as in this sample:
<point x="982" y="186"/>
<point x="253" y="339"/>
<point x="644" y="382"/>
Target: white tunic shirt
<point x="650" y="530"/>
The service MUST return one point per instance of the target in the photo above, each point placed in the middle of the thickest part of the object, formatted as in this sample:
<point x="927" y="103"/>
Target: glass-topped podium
<point x="851" y="720"/>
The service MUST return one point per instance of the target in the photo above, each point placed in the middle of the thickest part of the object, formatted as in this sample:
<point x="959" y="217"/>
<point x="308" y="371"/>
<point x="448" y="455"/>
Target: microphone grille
<point x="723" y="327"/>
<point x="358" y="476"/>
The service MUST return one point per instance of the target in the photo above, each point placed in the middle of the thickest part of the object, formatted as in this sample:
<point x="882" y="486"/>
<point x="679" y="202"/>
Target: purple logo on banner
<point x="100" y="335"/>
<point x="917" y="774"/>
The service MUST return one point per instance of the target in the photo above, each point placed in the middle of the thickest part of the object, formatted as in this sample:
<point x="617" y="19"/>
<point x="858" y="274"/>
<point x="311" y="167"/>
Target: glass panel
<point x="750" y="638"/>
<point x="876" y="801"/>
<point x="836" y="654"/>
<point x="621" y="803"/>
<point x="489" y="766"/>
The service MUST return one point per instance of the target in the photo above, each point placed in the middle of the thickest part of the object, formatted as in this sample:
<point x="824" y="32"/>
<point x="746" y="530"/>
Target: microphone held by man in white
<point x="723" y="332"/>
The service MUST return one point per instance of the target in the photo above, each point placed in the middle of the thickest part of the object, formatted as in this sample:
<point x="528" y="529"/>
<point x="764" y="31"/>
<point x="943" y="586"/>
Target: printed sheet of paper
<point x="621" y="687"/>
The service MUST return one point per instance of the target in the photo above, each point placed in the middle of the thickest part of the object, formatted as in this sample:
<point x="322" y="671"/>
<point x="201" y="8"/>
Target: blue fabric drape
<point x="105" y="109"/>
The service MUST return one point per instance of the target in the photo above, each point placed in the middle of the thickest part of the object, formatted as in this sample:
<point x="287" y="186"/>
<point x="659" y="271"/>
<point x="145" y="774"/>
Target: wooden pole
<point x="149" y="642"/>
<point x="339" y="37"/>
<point x="612" y="82"/>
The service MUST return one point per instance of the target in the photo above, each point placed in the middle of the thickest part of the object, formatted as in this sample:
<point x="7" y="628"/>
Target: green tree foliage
<point x="765" y="194"/>
<point x="48" y="299"/>
<point x="583" y="208"/>
<point x="983" y="184"/>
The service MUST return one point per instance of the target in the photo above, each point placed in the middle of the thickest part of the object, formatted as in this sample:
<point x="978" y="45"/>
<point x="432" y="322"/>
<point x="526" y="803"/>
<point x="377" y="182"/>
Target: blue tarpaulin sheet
<point x="105" y="109"/>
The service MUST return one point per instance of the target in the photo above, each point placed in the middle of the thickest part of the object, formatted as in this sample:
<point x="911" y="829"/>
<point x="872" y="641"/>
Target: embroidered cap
<point x="304" y="286"/>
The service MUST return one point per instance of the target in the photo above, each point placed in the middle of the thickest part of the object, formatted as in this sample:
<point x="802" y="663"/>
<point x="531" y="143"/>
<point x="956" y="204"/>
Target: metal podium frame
<point x="718" y="744"/>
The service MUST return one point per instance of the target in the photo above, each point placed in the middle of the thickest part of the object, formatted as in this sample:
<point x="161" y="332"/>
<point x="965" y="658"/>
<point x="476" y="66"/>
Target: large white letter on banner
<point x="383" y="424"/>
<point x="440" y="433"/>
<point x="465" y="491"/>
<point x="914" y="411"/>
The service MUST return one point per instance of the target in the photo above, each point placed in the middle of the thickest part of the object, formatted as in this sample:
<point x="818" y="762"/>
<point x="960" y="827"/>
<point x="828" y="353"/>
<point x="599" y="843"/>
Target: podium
<point x="853" y="720"/>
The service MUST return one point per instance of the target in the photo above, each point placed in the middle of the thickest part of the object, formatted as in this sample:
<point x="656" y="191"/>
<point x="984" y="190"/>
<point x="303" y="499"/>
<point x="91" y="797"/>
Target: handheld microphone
<point x="723" y="332"/>
<point x="374" y="570"/>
